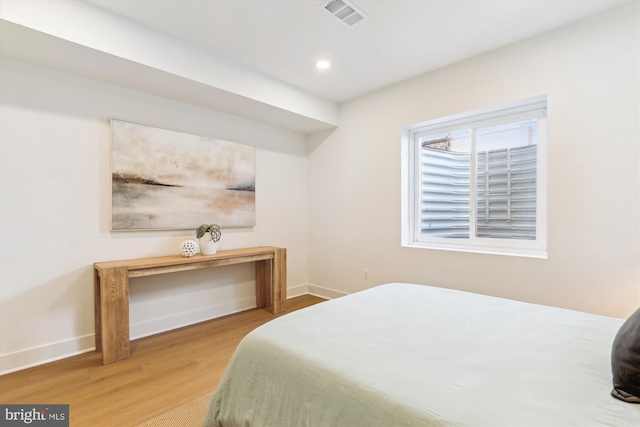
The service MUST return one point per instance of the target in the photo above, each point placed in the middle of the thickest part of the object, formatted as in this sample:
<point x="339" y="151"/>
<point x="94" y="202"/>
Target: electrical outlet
<point x="365" y="274"/>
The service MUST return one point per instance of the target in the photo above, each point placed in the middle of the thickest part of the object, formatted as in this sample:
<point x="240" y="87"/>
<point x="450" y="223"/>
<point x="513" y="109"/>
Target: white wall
<point x="589" y="72"/>
<point x="55" y="204"/>
<point x="336" y="208"/>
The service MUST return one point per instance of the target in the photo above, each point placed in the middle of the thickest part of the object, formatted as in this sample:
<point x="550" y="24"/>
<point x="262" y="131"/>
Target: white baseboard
<point x="40" y="355"/>
<point x="175" y="321"/>
<point x="23" y="359"/>
<point x="323" y="292"/>
<point x="309" y="289"/>
<point x="47" y="353"/>
<point x="297" y="291"/>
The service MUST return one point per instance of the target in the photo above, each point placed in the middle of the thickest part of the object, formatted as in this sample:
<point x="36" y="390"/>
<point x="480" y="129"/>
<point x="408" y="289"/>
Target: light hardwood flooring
<point x="164" y="371"/>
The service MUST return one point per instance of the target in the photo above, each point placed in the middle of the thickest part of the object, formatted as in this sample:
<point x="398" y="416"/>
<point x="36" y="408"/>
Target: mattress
<point x="413" y="355"/>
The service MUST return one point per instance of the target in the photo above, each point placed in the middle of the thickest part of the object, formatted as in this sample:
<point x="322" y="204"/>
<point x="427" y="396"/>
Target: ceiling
<point x="400" y="39"/>
<point x="255" y="59"/>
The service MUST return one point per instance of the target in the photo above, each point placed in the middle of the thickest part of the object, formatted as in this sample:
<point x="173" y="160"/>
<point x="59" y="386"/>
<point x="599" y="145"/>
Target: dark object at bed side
<point x="625" y="360"/>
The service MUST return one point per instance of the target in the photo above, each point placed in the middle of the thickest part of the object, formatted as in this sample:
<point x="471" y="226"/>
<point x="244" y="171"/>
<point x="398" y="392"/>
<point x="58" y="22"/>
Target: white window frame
<point x="530" y="108"/>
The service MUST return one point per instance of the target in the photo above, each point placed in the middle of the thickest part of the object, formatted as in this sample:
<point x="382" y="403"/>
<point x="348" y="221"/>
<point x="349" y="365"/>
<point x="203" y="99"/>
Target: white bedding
<point x="413" y="355"/>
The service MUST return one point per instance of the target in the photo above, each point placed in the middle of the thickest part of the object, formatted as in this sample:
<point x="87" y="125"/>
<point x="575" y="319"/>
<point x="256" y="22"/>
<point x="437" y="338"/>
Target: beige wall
<point x="589" y="72"/>
<point x="55" y="204"/>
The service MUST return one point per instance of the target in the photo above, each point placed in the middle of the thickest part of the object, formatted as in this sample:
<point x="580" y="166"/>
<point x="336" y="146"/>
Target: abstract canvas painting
<point x="162" y="179"/>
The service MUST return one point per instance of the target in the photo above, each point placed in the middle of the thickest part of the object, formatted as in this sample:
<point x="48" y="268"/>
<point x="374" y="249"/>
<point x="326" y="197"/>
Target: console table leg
<point x="114" y="314"/>
<point x="279" y="281"/>
<point x="264" y="283"/>
<point x="97" y="310"/>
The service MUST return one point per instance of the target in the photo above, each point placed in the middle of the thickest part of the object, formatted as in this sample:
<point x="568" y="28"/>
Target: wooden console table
<point x="111" y="288"/>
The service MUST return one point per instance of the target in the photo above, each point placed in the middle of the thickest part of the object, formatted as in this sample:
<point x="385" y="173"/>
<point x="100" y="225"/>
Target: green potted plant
<point x="208" y="236"/>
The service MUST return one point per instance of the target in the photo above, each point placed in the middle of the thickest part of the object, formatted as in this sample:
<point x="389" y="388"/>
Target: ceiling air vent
<point x="345" y="11"/>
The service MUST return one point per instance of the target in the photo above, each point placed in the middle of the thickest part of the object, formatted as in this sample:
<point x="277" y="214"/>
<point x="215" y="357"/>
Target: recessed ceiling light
<point x="323" y="64"/>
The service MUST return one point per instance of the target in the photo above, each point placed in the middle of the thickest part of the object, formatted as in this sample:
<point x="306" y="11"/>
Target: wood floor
<point x="164" y="372"/>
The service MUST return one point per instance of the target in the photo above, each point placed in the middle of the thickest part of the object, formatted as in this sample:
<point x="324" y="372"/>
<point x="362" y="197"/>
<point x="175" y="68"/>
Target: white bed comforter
<point x="413" y="355"/>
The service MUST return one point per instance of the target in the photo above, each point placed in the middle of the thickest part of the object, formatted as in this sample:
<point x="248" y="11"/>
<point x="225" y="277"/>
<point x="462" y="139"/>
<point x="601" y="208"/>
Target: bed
<point x="413" y="355"/>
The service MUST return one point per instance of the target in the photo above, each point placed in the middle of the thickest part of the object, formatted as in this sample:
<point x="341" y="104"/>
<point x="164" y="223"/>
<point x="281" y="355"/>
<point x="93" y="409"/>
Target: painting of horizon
<point x="162" y="179"/>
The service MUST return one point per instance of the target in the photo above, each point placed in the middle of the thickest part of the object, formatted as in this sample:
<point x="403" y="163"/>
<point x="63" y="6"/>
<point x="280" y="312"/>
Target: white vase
<point x="207" y="246"/>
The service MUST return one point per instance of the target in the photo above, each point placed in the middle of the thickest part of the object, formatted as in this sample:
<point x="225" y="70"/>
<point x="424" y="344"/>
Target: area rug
<point x="190" y="414"/>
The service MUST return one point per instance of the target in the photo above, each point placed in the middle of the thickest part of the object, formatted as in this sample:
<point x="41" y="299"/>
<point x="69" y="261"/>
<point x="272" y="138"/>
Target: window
<point x="477" y="181"/>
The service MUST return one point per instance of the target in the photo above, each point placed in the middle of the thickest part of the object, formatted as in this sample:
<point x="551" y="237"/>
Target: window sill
<point x="527" y="253"/>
